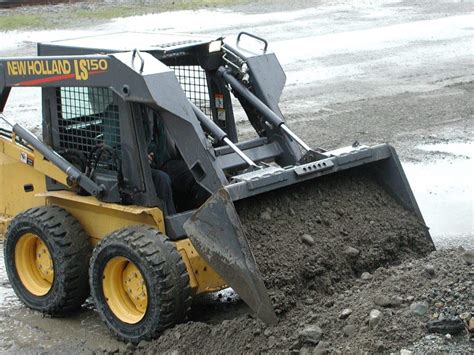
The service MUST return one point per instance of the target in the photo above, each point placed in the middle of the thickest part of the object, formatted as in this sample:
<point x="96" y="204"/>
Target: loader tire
<point x="46" y="256"/>
<point x="139" y="283"/>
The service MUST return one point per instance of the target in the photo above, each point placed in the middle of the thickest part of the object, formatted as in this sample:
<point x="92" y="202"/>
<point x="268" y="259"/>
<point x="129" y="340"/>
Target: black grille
<point x="87" y="117"/>
<point x="194" y="83"/>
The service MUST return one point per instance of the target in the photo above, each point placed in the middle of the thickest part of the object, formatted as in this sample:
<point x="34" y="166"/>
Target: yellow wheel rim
<point x="125" y="290"/>
<point x="34" y="264"/>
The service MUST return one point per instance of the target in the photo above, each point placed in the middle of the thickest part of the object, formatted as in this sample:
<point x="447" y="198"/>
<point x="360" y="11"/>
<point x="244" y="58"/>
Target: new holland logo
<point x="60" y="69"/>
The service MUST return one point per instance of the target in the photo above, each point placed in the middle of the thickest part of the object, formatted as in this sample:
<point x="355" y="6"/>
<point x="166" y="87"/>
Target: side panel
<point x="19" y="183"/>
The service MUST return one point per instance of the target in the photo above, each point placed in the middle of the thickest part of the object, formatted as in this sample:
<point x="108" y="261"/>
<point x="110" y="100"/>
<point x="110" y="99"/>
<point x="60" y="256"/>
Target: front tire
<point x="46" y="256"/>
<point x="139" y="283"/>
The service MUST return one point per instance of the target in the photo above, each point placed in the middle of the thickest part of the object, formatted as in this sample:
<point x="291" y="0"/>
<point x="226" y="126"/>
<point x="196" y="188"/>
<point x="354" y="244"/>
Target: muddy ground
<point x="373" y="71"/>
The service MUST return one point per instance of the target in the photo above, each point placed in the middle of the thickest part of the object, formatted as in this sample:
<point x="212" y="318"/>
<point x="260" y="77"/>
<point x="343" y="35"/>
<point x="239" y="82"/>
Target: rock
<point x="351" y="252"/>
<point x="366" y="276"/>
<point x="429" y="271"/>
<point x="349" y="330"/>
<point x="466" y="316"/>
<point x="448" y="337"/>
<point x="131" y="347"/>
<point x="419" y="309"/>
<point x="305" y="350"/>
<point x="345" y="313"/>
<point x="343" y="232"/>
<point x="309" y="301"/>
<point x="271" y="341"/>
<point x="143" y="344"/>
<point x="470" y="326"/>
<point x="322" y="348"/>
<point x="379" y="346"/>
<point x="382" y="301"/>
<point x="396" y="301"/>
<point x="257" y="332"/>
<point x="405" y="352"/>
<point x="444" y="326"/>
<point x="266" y="215"/>
<point x="311" y="334"/>
<point x="329" y="303"/>
<point x="468" y="256"/>
<point x="307" y="239"/>
<point x="268" y="332"/>
<point x="375" y="317"/>
<point x="410" y="298"/>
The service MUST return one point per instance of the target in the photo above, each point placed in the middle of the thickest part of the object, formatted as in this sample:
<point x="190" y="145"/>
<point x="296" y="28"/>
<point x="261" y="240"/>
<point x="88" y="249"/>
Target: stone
<point x="349" y="330"/>
<point x="405" y="352"/>
<point x="375" y="317"/>
<point x="419" y="309"/>
<point x="351" y="252"/>
<point x="143" y="344"/>
<point x="448" y="337"/>
<point x="131" y="347"/>
<point x="307" y="239"/>
<point x="468" y="256"/>
<point x="366" y="276"/>
<point x="266" y="215"/>
<point x="257" y="332"/>
<point x="379" y="346"/>
<point x="305" y="350"/>
<point x="271" y="341"/>
<point x="345" y="313"/>
<point x="267" y="332"/>
<point x="470" y="326"/>
<point x="446" y="326"/>
<point x="429" y="271"/>
<point x="322" y="348"/>
<point x="311" y="334"/>
<point x="309" y="301"/>
<point x="382" y="301"/>
<point x="329" y="303"/>
<point x="396" y="301"/>
<point x="410" y="299"/>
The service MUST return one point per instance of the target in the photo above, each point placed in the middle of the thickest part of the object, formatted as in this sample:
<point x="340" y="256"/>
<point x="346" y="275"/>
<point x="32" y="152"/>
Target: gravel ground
<point x="389" y="310"/>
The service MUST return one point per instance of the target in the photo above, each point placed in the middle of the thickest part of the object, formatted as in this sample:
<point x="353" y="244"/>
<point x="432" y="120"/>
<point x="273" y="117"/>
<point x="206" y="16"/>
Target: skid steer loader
<point x="80" y="209"/>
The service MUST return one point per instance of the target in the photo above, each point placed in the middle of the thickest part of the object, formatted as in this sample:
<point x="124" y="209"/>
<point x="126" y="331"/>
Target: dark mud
<point x="311" y="243"/>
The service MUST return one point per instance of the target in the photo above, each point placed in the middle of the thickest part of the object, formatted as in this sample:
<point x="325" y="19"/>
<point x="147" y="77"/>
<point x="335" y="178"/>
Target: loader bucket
<point x="222" y="230"/>
<point x="217" y="235"/>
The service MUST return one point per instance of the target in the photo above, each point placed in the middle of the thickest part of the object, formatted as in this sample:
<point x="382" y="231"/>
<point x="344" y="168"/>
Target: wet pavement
<point x="397" y="72"/>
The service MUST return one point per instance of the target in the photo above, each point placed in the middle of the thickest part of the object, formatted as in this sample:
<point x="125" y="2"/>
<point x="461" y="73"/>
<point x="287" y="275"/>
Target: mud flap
<point x="216" y="232"/>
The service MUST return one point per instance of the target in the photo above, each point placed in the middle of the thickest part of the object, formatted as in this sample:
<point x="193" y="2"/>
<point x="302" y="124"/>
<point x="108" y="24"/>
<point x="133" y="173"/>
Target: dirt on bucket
<point x="311" y="241"/>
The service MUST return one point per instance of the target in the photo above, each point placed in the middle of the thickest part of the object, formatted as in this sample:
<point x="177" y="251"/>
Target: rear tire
<point x="139" y="283"/>
<point x="46" y="256"/>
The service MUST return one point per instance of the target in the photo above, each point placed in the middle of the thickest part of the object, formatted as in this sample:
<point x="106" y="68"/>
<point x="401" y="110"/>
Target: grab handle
<point x="260" y="39"/>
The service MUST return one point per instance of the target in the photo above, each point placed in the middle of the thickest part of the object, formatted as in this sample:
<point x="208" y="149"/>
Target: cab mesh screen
<point x="87" y="117"/>
<point x="194" y="83"/>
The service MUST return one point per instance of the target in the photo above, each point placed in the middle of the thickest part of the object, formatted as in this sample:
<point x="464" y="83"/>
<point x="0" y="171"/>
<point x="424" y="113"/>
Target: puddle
<point x="444" y="190"/>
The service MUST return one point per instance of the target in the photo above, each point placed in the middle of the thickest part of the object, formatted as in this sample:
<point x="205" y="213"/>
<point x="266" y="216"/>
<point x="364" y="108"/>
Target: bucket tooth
<point x="216" y="232"/>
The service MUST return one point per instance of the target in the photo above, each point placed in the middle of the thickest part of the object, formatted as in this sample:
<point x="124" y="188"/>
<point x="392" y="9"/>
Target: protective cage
<point x="87" y="117"/>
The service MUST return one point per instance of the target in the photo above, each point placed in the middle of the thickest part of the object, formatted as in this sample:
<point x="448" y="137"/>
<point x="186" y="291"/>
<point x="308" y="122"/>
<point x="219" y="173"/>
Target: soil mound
<point x="314" y="235"/>
<point x="315" y="244"/>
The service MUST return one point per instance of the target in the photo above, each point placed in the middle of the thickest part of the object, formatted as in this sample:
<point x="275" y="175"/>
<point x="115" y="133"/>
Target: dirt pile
<point x="407" y="299"/>
<point x="312" y="237"/>
<point x="326" y="254"/>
